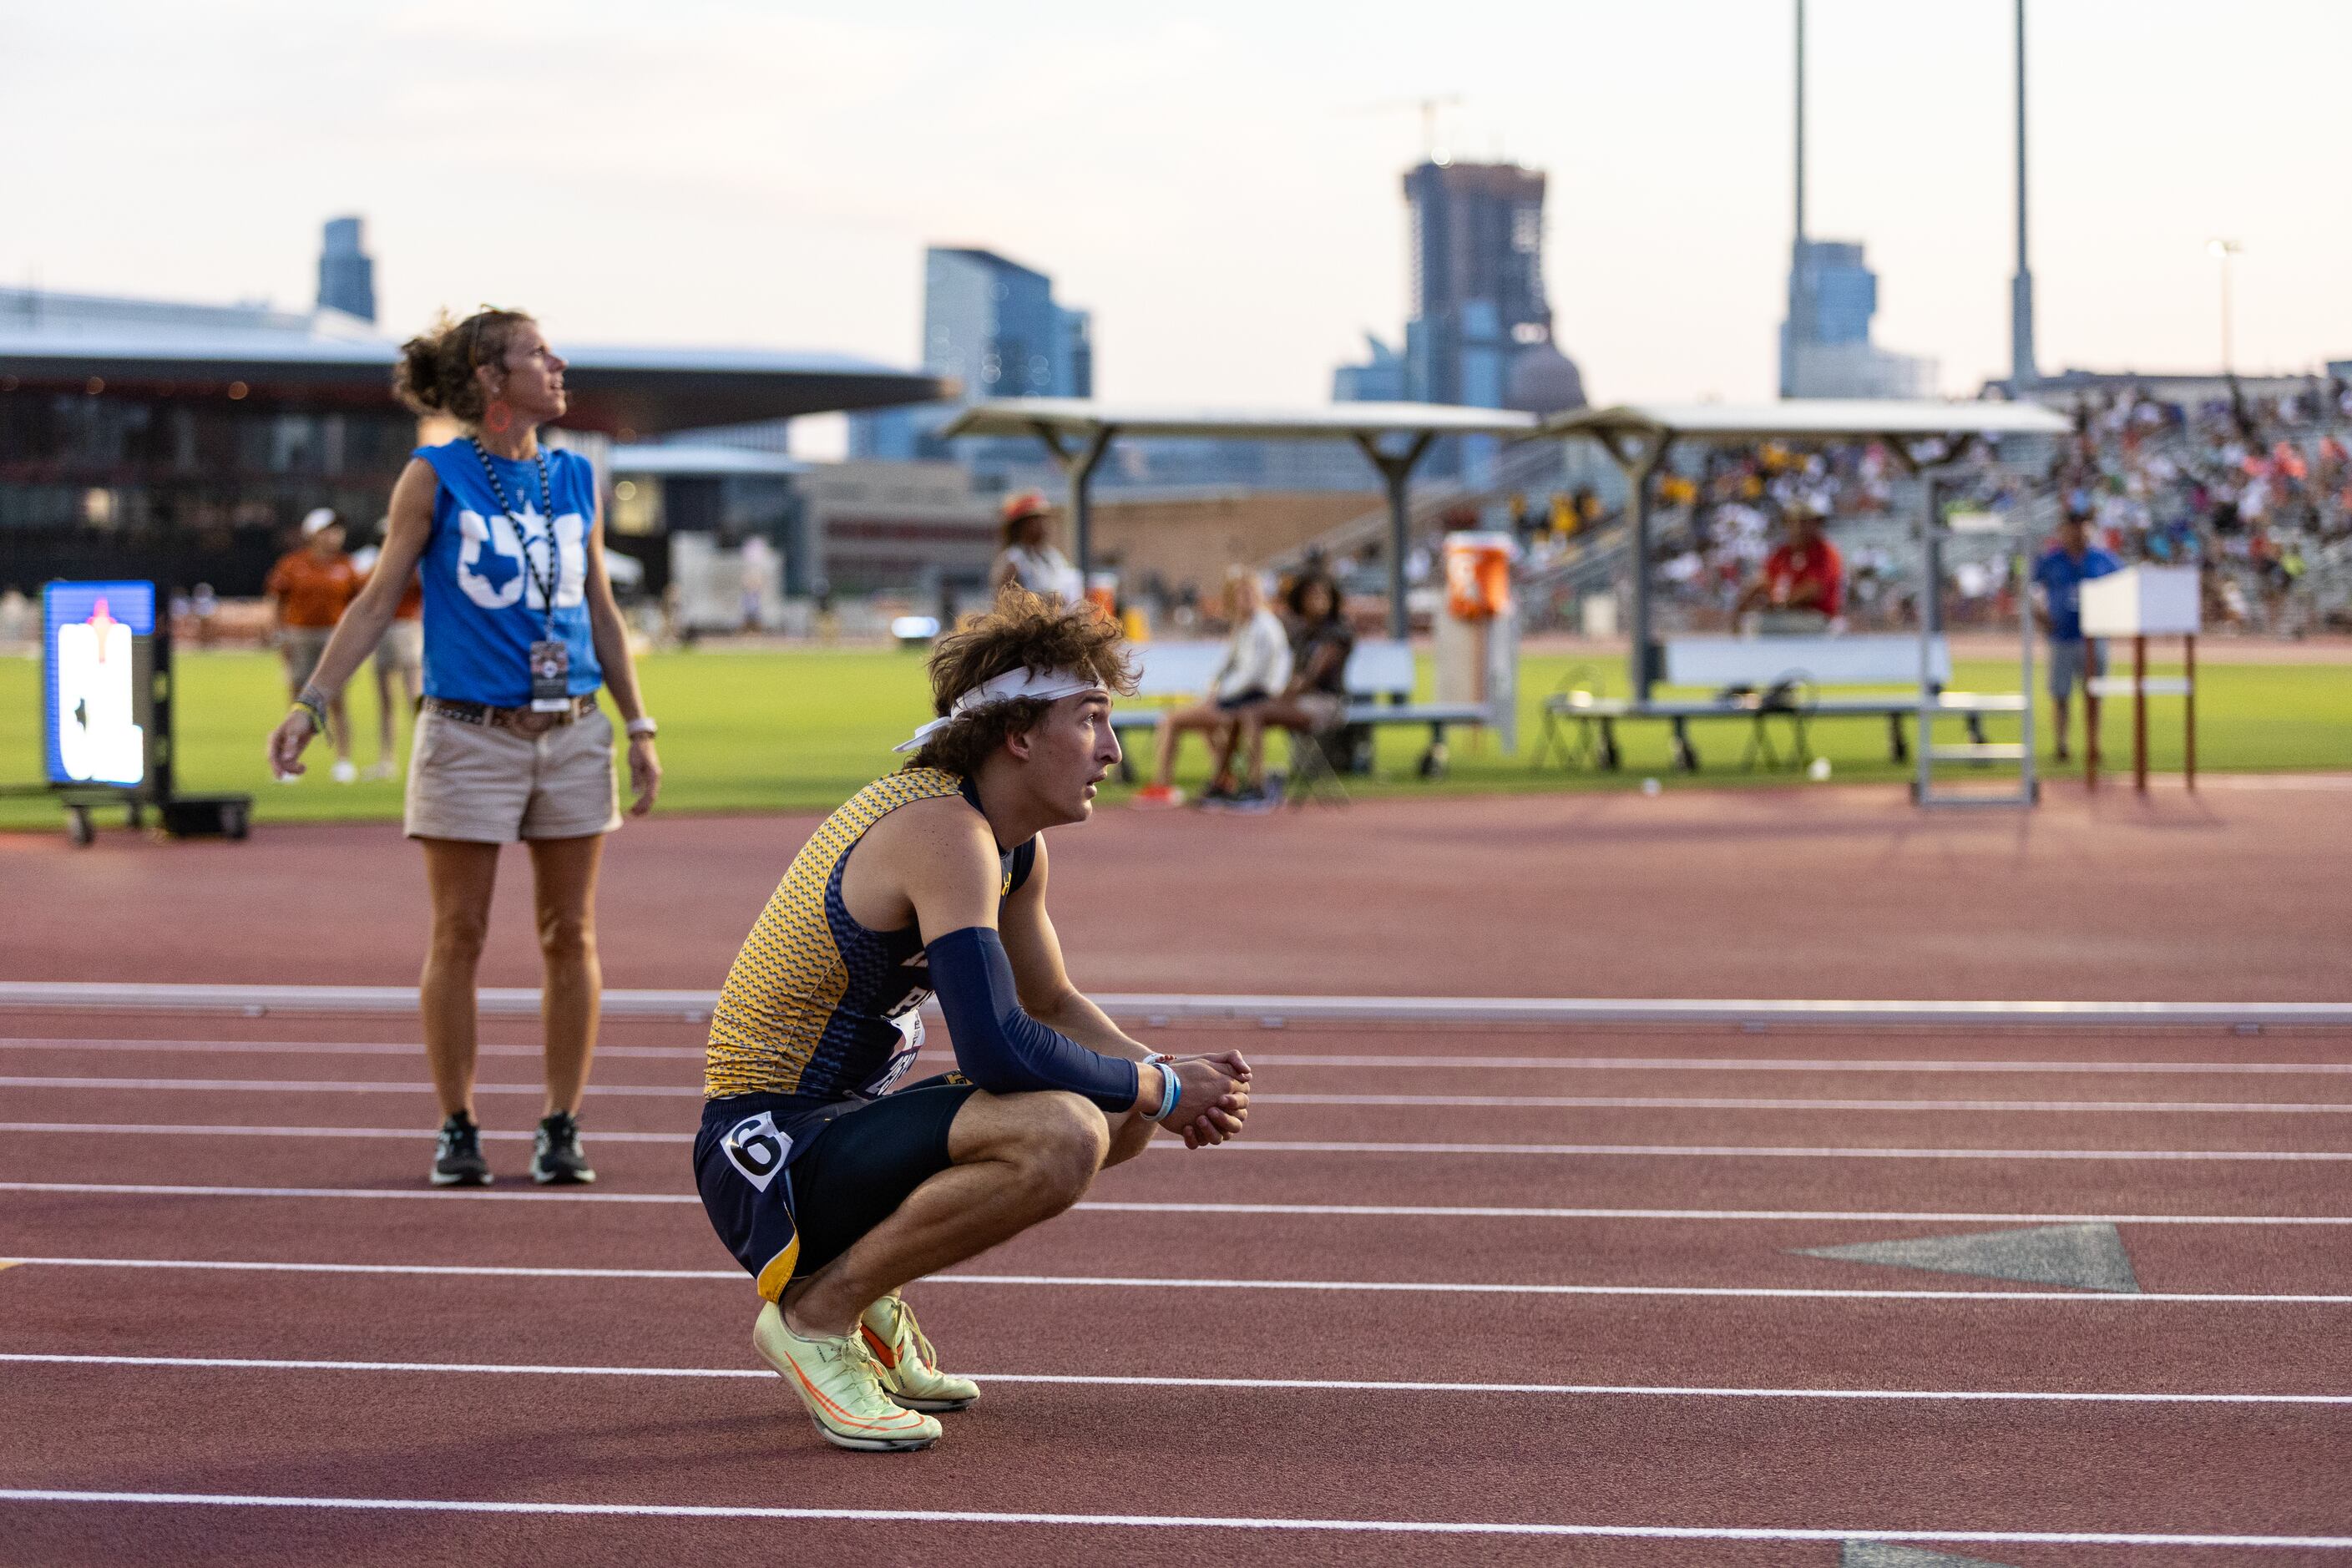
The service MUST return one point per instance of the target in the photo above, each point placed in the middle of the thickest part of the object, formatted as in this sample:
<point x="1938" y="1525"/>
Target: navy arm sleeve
<point x="1003" y="1049"/>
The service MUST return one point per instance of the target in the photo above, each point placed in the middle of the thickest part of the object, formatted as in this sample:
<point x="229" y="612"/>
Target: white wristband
<point x="641" y="729"/>
<point x="1171" y="1090"/>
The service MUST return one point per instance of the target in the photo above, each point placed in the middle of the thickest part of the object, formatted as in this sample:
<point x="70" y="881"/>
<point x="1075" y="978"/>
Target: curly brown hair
<point x="1023" y="630"/>
<point x="436" y="370"/>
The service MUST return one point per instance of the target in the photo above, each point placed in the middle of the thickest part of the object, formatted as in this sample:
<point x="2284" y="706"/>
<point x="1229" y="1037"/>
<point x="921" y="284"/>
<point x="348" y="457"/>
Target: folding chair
<point x="1312" y="776"/>
<point x="1792" y="698"/>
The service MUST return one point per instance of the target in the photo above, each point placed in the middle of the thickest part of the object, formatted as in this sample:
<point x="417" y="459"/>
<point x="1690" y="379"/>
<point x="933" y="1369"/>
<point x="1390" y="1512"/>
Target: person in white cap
<point x="832" y="1185"/>
<point x="310" y="589"/>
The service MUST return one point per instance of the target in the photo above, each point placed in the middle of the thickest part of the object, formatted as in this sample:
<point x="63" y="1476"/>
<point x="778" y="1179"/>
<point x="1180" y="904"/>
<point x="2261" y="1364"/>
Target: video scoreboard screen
<point x="97" y="644"/>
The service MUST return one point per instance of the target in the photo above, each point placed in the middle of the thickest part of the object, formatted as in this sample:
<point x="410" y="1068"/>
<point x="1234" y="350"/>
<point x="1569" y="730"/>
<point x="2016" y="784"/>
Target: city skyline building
<point x="993" y="326"/>
<point x="1825" y="347"/>
<point x="346" y="271"/>
<point x="1479" y="328"/>
<point x="1476" y="279"/>
<point x="1381" y="378"/>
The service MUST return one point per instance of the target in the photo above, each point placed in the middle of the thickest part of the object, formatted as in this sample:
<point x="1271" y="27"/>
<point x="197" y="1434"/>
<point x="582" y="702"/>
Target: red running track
<point x="1840" y="1398"/>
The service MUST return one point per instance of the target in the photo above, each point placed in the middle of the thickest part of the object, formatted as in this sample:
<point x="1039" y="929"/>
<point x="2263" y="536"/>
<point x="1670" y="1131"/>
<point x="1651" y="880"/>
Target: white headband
<point x="1044" y="686"/>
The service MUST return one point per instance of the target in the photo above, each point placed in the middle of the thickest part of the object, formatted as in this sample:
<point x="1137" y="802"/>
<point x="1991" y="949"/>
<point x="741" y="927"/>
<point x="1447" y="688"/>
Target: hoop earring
<point x="498" y="418"/>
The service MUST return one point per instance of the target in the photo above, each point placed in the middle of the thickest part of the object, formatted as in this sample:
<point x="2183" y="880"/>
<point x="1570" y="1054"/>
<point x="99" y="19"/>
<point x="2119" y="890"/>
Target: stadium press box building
<point x="182" y="443"/>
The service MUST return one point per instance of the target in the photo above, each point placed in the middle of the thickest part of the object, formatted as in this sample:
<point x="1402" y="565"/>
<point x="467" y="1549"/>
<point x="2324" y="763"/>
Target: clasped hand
<point x="1212" y="1097"/>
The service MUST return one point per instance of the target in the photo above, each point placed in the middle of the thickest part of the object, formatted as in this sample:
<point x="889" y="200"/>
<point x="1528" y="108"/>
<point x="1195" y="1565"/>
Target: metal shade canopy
<point x="637" y="390"/>
<point x="1810" y="419"/>
<point x="1393" y="437"/>
<point x="1638" y="434"/>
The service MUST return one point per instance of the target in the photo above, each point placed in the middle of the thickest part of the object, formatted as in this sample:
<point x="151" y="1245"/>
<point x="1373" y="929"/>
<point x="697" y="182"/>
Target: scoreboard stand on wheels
<point x="105" y="714"/>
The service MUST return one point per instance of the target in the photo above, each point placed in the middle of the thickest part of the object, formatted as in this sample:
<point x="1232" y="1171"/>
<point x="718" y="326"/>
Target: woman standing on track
<point x="521" y="630"/>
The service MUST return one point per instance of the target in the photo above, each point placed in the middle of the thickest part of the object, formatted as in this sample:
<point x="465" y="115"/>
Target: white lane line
<point x="1404" y="1210"/>
<point x="1711" y="1102"/>
<point x="1784" y="1064"/>
<point x="327" y="1085"/>
<point x="1296" y="1146"/>
<point x="1302" y="1059"/>
<point x="1407" y="1101"/>
<point x="1175" y="1522"/>
<point x="325" y="1048"/>
<point x="233" y="1130"/>
<point x="1762" y="1151"/>
<point x="1136" y="1283"/>
<point x="1301" y="1385"/>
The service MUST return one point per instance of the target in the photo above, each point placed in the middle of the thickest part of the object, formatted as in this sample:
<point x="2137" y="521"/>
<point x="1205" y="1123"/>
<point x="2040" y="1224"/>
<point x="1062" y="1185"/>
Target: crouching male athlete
<point x="834" y="1189"/>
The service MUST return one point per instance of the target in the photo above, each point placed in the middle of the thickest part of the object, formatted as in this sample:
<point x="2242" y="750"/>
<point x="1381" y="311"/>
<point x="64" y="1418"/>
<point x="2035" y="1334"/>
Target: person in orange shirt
<point x="310" y="589"/>
<point x="399" y="662"/>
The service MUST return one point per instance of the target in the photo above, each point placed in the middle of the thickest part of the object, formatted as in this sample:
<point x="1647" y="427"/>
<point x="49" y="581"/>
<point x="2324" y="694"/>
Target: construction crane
<point x="1428" y="104"/>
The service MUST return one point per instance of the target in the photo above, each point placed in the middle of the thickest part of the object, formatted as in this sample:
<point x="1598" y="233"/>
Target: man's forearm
<point x="1077" y="1017"/>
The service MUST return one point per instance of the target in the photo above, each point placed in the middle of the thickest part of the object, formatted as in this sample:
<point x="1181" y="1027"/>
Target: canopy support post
<point x="1396" y="473"/>
<point x="1638" y="457"/>
<point x="1080" y="470"/>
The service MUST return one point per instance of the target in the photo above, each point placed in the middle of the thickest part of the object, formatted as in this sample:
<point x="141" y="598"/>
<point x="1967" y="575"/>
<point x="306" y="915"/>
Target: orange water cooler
<point x="1478" y="634"/>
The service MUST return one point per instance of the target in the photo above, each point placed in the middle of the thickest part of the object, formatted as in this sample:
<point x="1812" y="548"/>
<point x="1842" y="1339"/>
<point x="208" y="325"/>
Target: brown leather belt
<point x="521" y="720"/>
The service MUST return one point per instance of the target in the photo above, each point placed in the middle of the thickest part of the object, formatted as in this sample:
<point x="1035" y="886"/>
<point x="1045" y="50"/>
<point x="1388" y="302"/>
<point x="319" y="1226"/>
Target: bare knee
<point x="1062" y="1141"/>
<point x="458" y="935"/>
<point x="566" y="938"/>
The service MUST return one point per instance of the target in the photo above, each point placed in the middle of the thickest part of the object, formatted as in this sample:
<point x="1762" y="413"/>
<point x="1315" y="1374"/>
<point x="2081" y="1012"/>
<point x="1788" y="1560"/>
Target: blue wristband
<point x="1170" y="1092"/>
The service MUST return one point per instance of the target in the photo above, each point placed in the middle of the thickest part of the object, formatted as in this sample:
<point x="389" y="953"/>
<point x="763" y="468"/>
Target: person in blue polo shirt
<point x="2074" y="660"/>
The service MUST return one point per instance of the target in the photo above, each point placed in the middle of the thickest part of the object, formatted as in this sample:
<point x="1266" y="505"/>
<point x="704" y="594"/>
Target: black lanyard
<point x="546" y="586"/>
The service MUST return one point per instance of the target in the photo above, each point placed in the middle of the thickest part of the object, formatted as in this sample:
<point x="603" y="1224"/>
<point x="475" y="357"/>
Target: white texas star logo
<point x="505" y="578"/>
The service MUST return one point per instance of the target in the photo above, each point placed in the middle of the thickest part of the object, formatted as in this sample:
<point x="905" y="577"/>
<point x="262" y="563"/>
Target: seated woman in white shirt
<point x="1256" y="666"/>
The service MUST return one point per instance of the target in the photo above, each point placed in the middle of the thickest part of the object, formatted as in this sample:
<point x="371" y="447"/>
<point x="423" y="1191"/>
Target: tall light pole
<point x="1799" y="327"/>
<point x="2224" y="249"/>
<point x="2022" y="375"/>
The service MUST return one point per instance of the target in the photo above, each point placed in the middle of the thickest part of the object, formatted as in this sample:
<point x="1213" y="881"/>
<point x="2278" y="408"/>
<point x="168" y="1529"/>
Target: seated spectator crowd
<point x="2257" y="493"/>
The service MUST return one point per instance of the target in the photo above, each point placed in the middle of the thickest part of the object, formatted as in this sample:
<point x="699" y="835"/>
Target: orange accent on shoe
<point x="882" y="1352"/>
<point x="844" y="1417"/>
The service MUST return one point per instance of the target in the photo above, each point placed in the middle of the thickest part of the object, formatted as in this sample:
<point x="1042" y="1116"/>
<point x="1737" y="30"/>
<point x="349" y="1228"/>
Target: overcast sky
<point x="1219" y="181"/>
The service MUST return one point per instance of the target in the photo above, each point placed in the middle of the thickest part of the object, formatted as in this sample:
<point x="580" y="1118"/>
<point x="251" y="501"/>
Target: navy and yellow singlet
<point x="817" y="1006"/>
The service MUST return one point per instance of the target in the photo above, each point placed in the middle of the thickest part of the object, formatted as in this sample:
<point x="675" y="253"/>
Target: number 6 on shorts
<point x="756" y="1149"/>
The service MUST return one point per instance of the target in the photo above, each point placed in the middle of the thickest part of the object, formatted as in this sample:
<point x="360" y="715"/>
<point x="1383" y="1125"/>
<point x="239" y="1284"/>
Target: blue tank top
<point x="483" y="569"/>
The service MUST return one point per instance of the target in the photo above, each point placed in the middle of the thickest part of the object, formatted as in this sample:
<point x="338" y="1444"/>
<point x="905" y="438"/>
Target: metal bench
<point x="1765" y="678"/>
<point x="1379" y="678"/>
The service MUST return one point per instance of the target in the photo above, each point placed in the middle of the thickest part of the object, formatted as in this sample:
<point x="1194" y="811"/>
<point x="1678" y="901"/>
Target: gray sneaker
<point x="556" y="1157"/>
<point x="457" y="1158"/>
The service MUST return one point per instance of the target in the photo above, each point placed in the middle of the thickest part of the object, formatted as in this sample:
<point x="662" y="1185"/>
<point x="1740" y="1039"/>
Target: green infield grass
<point x="801" y="730"/>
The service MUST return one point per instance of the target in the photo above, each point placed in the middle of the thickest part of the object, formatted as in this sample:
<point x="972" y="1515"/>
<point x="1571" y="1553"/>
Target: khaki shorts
<point x="489" y="786"/>
<point x="303" y="645"/>
<point x="403" y="647"/>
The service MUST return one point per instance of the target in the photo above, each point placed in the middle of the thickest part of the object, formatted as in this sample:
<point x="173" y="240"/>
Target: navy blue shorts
<point x="1241" y="700"/>
<point x="789" y="1186"/>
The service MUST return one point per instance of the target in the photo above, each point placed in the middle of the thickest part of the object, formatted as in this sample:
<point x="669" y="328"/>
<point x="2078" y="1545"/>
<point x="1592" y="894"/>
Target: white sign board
<point x="2141" y="602"/>
<point x="1866" y="661"/>
<point x="721" y="589"/>
<point x="96" y="704"/>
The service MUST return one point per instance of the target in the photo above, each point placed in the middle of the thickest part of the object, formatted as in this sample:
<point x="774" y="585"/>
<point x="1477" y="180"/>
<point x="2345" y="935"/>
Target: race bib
<point x="900" y="1064"/>
<point x="756" y="1149"/>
